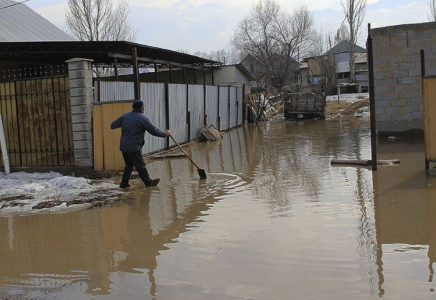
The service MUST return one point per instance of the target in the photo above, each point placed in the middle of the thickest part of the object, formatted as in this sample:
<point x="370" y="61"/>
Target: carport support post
<point x="116" y="69"/>
<point x="136" y="74"/>
<point x="81" y="95"/>
<point x="156" y="79"/>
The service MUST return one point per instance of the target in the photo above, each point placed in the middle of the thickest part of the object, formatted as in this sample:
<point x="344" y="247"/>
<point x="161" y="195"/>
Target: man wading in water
<point x="133" y="126"/>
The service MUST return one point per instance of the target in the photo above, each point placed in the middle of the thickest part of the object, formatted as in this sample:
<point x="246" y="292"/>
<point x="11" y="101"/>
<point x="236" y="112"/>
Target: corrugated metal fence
<point x="183" y="109"/>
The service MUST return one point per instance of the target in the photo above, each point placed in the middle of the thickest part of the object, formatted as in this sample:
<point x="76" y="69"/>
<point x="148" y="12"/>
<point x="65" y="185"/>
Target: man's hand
<point x="167" y="132"/>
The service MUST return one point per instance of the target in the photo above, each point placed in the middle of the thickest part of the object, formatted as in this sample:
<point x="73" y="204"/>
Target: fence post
<point x="228" y="107"/>
<point x="188" y="113"/>
<point x="218" y="121"/>
<point x="244" y="108"/>
<point x="204" y="105"/>
<point x="237" y="106"/>
<point x="167" y="112"/>
<point x="81" y="94"/>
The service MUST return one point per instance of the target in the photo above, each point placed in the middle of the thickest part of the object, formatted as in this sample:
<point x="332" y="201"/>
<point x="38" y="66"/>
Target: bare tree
<point x="227" y="57"/>
<point x="354" y="11"/>
<point x="322" y="62"/>
<point x="275" y="40"/>
<point x="99" y="20"/>
<point x="234" y="57"/>
<point x="327" y="61"/>
<point x="432" y="15"/>
<point x="183" y="51"/>
<point x="342" y="34"/>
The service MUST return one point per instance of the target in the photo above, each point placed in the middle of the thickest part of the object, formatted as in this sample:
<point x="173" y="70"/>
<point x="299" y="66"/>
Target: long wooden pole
<point x="372" y="99"/>
<point x="427" y="164"/>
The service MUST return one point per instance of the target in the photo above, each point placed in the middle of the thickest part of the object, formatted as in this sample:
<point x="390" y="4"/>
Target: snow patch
<point x="21" y="192"/>
<point x="348" y="97"/>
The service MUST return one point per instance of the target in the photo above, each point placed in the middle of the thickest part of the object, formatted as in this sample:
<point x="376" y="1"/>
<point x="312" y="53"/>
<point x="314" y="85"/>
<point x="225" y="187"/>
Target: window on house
<point x="297" y="77"/>
<point x="314" y="80"/>
<point x="344" y="75"/>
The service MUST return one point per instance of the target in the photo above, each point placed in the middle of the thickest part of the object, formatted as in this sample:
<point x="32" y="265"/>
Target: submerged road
<point x="273" y="220"/>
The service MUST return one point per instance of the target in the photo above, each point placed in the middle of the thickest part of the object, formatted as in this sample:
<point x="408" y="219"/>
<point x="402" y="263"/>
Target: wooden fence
<point x="182" y="108"/>
<point x="36" y="115"/>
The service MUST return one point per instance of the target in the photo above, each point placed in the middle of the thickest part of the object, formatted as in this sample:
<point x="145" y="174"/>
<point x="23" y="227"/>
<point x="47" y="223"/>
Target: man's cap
<point x="138" y="104"/>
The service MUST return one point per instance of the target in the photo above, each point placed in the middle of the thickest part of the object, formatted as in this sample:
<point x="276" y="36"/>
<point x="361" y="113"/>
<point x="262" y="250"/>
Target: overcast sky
<point x="207" y="25"/>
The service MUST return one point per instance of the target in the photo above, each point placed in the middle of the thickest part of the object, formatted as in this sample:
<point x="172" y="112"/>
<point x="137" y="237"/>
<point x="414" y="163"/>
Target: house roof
<point x="304" y="65"/>
<point x="345" y="46"/>
<point x="30" y="39"/>
<point x="244" y="71"/>
<point x="20" y="23"/>
<point x="247" y="59"/>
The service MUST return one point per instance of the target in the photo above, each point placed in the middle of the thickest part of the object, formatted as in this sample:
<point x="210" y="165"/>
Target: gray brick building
<point x="397" y="74"/>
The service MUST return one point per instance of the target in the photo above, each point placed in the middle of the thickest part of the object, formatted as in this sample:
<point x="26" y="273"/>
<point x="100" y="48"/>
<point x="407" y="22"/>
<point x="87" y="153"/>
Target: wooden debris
<point x="388" y="162"/>
<point x="168" y="156"/>
<point x="210" y="134"/>
<point x="364" y="162"/>
<point x="351" y="162"/>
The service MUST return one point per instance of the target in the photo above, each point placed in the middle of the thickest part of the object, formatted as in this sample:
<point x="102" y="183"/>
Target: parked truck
<point x="304" y="106"/>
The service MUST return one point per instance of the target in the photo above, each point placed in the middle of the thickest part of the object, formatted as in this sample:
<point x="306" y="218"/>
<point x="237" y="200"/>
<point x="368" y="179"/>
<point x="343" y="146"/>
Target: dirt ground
<point x="334" y="108"/>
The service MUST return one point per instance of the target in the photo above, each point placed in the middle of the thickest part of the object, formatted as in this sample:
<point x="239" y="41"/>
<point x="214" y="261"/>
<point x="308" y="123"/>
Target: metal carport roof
<point x="101" y="52"/>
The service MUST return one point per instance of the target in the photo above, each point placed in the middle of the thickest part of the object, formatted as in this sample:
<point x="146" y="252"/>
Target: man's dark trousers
<point x="134" y="159"/>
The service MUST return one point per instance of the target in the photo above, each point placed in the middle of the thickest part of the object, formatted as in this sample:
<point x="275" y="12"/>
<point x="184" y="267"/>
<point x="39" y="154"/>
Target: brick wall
<point x="397" y="74"/>
<point x="81" y="94"/>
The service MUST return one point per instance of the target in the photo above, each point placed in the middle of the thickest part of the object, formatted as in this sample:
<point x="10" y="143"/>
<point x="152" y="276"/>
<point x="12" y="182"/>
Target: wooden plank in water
<point x="388" y="161"/>
<point x="364" y="162"/>
<point x="167" y="156"/>
<point x="351" y="162"/>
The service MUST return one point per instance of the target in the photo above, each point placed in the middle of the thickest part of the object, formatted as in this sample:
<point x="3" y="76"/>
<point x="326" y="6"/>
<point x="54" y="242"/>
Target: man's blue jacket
<point x="133" y="126"/>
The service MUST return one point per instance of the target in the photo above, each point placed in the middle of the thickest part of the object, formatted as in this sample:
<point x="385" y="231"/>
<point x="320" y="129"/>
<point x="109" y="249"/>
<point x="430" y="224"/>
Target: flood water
<point x="273" y="220"/>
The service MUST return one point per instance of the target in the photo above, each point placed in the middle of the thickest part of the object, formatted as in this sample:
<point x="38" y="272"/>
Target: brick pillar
<point x="81" y="94"/>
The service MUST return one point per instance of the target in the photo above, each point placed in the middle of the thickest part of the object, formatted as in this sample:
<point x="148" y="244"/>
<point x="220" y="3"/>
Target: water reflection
<point x="96" y="246"/>
<point x="405" y="214"/>
<point x="273" y="219"/>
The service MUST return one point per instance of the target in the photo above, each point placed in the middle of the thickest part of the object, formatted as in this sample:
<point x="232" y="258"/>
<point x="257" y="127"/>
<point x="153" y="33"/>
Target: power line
<point x="14" y="4"/>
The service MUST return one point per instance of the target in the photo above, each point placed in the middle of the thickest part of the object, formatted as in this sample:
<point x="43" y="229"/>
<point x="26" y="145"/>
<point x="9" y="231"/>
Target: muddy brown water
<point x="274" y="220"/>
